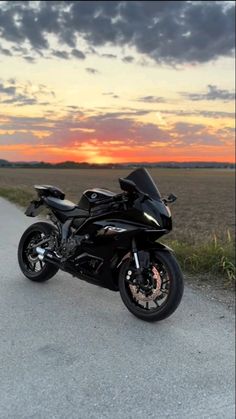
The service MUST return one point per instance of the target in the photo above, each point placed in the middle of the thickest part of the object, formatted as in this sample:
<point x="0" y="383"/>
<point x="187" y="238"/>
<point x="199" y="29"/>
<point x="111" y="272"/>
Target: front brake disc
<point x="155" y="292"/>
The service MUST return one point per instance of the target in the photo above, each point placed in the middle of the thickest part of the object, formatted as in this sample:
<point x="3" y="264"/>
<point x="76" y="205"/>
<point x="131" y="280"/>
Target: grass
<point x="203" y="216"/>
<point x="214" y="258"/>
<point x="19" y="196"/>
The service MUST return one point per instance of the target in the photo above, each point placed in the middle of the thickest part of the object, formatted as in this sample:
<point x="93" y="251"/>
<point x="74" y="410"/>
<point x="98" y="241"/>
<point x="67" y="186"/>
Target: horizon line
<point x="119" y="163"/>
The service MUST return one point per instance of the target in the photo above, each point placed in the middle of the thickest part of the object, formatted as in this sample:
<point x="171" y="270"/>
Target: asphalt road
<point x="72" y="350"/>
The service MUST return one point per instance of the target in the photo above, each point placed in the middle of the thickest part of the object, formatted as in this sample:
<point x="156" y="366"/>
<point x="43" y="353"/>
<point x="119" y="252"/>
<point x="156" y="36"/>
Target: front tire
<point x="172" y="294"/>
<point x="30" y="265"/>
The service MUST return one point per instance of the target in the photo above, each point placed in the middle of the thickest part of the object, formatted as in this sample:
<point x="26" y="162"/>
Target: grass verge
<point x="212" y="258"/>
<point x="19" y="196"/>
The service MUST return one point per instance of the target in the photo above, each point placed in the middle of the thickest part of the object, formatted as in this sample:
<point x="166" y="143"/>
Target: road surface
<point x="72" y="350"/>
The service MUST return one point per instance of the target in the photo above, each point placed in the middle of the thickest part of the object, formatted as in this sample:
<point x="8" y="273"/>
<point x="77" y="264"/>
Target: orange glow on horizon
<point x="91" y="153"/>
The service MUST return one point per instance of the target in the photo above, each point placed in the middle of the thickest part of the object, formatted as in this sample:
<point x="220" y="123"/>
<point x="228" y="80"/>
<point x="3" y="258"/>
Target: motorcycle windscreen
<point x="145" y="183"/>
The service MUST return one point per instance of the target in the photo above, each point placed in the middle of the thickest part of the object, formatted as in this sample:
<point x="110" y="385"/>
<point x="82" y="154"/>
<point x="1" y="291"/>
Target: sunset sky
<point x="110" y="81"/>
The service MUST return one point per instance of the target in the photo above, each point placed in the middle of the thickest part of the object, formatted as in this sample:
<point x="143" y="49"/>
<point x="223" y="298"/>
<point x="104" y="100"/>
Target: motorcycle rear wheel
<point x="163" y="301"/>
<point x="31" y="266"/>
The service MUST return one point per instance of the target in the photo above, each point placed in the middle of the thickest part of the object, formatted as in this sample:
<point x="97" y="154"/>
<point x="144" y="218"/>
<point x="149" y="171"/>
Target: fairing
<point x="145" y="183"/>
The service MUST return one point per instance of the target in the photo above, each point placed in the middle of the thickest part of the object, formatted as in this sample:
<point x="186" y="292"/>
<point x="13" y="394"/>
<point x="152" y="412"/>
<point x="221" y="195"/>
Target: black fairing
<point x="145" y="183"/>
<point x="155" y="209"/>
<point x="94" y="197"/>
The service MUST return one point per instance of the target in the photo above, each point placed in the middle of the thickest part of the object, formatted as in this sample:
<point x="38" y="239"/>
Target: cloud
<point x="5" y="51"/>
<point x="24" y="95"/>
<point x="213" y="93"/>
<point x="78" y="54"/>
<point x="193" y="134"/>
<point x="61" y="54"/>
<point x="112" y="56"/>
<point x="19" y="138"/>
<point x="77" y="128"/>
<point x="112" y="94"/>
<point x="128" y="59"/>
<point x="20" y="100"/>
<point x="92" y="70"/>
<point x="173" y="32"/>
<point x="203" y="113"/>
<point x="151" y="99"/>
<point x="10" y="89"/>
<point x="29" y="59"/>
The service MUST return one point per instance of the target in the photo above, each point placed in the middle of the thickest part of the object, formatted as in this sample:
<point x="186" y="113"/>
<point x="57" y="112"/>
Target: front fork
<point x="135" y="255"/>
<point x="138" y="274"/>
<point x="139" y="271"/>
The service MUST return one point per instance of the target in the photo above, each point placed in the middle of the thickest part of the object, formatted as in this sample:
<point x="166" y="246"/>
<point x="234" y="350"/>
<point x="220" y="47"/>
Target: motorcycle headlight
<point x="168" y="210"/>
<point x="150" y="218"/>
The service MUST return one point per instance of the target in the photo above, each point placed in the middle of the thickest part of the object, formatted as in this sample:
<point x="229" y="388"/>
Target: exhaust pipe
<point x="40" y="252"/>
<point x="47" y="256"/>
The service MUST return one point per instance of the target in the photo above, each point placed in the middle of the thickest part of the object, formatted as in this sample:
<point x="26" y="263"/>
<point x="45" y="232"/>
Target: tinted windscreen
<point x="144" y="182"/>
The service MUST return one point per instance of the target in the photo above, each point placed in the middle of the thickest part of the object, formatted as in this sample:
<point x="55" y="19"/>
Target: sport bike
<point x="110" y="240"/>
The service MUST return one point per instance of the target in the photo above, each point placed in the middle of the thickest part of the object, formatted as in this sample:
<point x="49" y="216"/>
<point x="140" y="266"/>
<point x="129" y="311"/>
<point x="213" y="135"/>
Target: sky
<point x="117" y="81"/>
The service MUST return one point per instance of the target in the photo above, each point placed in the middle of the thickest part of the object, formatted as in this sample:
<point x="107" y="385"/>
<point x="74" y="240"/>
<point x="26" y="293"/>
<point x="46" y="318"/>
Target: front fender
<point x="162" y="247"/>
<point x="155" y="246"/>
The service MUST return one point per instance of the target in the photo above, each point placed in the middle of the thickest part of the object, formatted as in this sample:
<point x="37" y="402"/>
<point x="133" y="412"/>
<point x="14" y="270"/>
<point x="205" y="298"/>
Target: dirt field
<point x="205" y="204"/>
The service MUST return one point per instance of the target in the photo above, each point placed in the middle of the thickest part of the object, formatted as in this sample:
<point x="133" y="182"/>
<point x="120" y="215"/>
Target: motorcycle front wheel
<point x="162" y="291"/>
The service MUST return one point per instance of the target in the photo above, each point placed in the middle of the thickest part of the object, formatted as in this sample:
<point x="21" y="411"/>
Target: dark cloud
<point x="213" y="93"/>
<point x="151" y="99"/>
<point x="128" y="59"/>
<point x="8" y="90"/>
<point x="20" y="100"/>
<point x="78" y="54"/>
<point x="92" y="70"/>
<point x="113" y="95"/>
<point x="5" y="51"/>
<point x="168" y="32"/>
<point x="18" y="123"/>
<point x="204" y="113"/>
<point x="29" y="59"/>
<point x="123" y="113"/>
<point x="113" y="56"/>
<point x="61" y="54"/>
<point x="216" y="114"/>
<point x="73" y="107"/>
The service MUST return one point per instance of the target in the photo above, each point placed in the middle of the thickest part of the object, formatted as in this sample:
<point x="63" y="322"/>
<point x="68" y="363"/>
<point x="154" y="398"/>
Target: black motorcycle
<point x="108" y="240"/>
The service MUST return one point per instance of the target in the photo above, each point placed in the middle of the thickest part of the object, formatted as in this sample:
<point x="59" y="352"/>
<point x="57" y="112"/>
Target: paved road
<point x="71" y="350"/>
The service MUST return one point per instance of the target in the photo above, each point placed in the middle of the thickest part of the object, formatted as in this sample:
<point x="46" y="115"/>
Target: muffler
<point x="47" y="256"/>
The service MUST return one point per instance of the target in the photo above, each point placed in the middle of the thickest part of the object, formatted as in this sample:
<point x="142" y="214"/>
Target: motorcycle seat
<point x="65" y="205"/>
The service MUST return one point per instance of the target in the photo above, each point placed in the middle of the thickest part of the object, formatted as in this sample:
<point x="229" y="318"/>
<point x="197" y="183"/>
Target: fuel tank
<point x="93" y="197"/>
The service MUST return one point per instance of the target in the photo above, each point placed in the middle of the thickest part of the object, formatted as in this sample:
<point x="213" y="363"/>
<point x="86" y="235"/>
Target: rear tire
<point x="47" y="270"/>
<point x="175" y="290"/>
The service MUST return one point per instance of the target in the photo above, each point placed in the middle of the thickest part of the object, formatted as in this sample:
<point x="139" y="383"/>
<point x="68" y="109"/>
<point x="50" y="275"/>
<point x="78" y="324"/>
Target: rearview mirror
<point x="127" y="185"/>
<point x="172" y="197"/>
